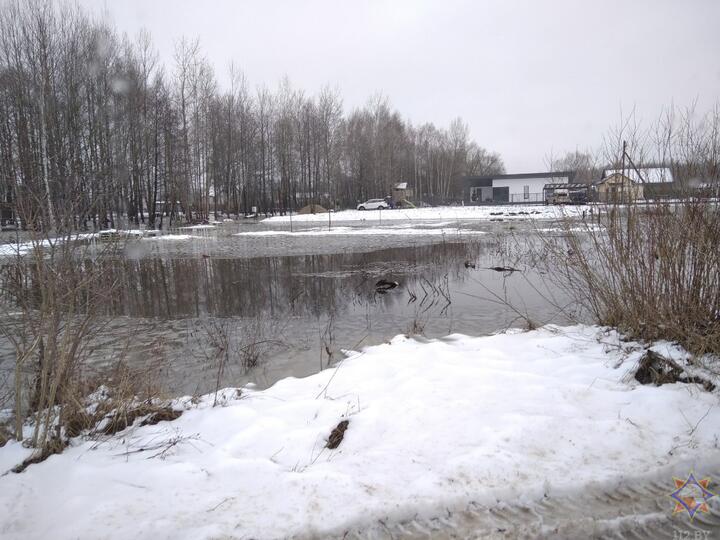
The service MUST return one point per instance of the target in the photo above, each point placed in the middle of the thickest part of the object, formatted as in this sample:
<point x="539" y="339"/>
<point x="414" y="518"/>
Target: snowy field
<point x="455" y="213"/>
<point x="419" y="222"/>
<point x="175" y="237"/>
<point x="367" y="231"/>
<point x="496" y="421"/>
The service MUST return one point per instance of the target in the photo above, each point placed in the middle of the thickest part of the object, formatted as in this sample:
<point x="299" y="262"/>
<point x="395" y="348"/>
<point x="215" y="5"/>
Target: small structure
<point x="511" y="188"/>
<point x="312" y="209"/>
<point x="400" y="192"/>
<point x="619" y="188"/>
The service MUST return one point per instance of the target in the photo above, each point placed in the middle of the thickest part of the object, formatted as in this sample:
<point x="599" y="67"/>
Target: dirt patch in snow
<point x="337" y="435"/>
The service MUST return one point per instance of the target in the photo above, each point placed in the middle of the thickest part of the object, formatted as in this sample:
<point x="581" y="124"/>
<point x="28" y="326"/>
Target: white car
<point x="373" y="204"/>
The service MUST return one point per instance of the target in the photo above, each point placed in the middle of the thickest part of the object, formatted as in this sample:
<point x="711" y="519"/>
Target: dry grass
<point x="55" y="445"/>
<point x="112" y="416"/>
<point x="416" y="326"/>
<point x="226" y="345"/>
<point x="5" y="435"/>
<point x="654" y="368"/>
<point x="102" y="405"/>
<point x="652" y="271"/>
<point x="127" y="395"/>
<point x="122" y="418"/>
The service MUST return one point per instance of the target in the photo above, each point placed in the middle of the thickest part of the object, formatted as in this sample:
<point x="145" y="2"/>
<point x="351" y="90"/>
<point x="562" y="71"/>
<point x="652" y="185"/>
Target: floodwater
<point x="216" y="308"/>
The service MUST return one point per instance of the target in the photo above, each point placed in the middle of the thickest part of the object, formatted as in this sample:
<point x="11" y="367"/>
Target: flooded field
<point x="248" y="302"/>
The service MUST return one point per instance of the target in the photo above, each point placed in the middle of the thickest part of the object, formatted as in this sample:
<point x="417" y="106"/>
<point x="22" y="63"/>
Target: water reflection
<point x="305" y="308"/>
<point x="309" y="285"/>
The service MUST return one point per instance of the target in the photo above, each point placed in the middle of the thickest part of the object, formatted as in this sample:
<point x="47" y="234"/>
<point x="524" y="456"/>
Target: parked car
<point x="373" y="204"/>
<point x="559" y="198"/>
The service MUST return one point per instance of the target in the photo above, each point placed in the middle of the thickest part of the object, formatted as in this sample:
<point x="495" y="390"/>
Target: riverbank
<point x="447" y="213"/>
<point x="432" y="425"/>
<point x="396" y="230"/>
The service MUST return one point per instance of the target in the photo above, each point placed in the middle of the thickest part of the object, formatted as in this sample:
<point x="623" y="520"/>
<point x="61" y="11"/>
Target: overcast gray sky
<point x="529" y="76"/>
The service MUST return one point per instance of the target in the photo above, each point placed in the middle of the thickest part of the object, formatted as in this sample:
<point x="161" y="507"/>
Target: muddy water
<point x="237" y="309"/>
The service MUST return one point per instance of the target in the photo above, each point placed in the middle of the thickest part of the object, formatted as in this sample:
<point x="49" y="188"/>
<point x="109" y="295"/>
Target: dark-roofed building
<point x="511" y="188"/>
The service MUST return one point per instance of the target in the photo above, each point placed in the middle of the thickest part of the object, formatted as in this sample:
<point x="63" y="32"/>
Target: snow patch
<point x="486" y="213"/>
<point x="375" y="231"/>
<point x="174" y="237"/>
<point x="198" y="227"/>
<point x="496" y="420"/>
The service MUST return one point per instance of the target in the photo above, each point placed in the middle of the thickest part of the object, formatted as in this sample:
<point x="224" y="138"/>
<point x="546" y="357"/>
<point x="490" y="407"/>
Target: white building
<point x="511" y="188"/>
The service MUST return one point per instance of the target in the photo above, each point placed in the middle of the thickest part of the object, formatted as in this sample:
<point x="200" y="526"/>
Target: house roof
<point x="648" y="175"/>
<point x="401" y="185"/>
<point x="523" y="176"/>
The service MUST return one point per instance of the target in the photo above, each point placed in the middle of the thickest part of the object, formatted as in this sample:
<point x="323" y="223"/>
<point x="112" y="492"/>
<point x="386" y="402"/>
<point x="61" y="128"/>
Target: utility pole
<point x="622" y="185"/>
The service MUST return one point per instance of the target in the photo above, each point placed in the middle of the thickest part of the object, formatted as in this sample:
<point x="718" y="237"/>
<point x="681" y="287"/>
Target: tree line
<point x="93" y="126"/>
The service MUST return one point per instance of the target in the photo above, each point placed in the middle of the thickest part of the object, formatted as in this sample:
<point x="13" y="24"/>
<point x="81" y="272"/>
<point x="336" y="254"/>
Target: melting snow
<point x="442" y="212"/>
<point x="498" y="419"/>
<point x="375" y="231"/>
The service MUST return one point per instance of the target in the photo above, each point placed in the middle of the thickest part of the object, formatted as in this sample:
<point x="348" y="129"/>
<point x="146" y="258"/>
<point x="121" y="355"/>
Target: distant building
<point x="619" y="188"/>
<point x="511" y="188"/>
<point x="654" y="182"/>
<point x="644" y="175"/>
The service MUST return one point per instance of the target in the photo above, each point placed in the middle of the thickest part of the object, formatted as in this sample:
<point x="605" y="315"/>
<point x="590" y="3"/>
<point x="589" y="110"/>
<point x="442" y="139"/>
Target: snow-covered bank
<point x="175" y="237"/>
<point x="22" y="248"/>
<point x="199" y="227"/>
<point x="443" y="212"/>
<point x="432" y="424"/>
<point x="374" y="231"/>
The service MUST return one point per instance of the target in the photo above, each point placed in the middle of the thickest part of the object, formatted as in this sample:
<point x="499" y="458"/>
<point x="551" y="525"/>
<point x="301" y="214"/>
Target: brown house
<point x="619" y="188"/>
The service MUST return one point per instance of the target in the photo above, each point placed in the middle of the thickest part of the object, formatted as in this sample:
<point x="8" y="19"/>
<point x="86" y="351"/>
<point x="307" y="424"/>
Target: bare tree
<point x="93" y="118"/>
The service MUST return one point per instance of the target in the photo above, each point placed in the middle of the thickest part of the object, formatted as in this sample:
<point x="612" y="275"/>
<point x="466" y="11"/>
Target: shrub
<point x="652" y="271"/>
